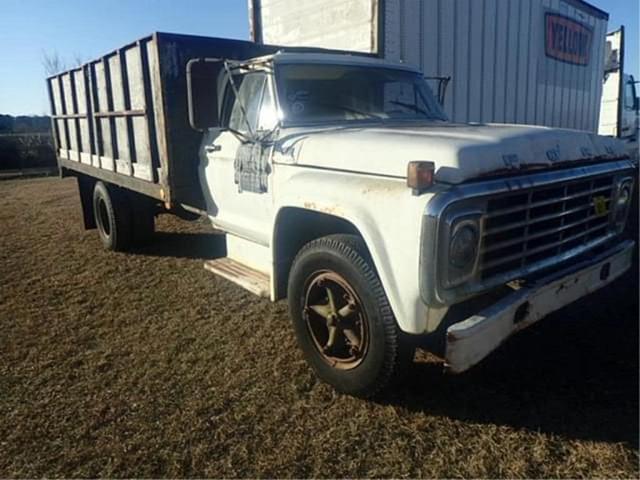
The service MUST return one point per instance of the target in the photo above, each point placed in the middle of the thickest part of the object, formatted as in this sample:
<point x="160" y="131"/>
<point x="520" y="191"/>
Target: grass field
<point x="146" y="365"/>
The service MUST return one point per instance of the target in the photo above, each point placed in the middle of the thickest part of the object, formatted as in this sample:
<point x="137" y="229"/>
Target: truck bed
<point x="123" y="117"/>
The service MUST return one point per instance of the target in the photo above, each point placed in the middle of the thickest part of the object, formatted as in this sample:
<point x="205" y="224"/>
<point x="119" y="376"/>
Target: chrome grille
<point x="534" y="225"/>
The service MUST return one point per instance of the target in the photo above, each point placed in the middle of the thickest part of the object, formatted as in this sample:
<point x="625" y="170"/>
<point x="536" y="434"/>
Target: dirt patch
<point x="146" y="365"/>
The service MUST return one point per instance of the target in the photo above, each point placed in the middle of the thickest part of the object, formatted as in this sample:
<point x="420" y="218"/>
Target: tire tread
<point x="353" y="249"/>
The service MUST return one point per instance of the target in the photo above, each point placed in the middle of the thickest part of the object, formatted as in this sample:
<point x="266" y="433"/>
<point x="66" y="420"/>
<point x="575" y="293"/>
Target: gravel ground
<point x="146" y="365"/>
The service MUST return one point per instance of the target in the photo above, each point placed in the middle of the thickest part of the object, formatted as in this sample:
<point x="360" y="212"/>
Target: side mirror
<point x="443" y="83"/>
<point x="202" y="92"/>
<point x="636" y="104"/>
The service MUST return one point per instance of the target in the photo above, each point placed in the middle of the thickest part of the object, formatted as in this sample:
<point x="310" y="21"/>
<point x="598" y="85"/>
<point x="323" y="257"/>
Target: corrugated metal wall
<point x="494" y="50"/>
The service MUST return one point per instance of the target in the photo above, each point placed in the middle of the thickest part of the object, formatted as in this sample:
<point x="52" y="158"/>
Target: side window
<point x="268" y="114"/>
<point x="250" y="87"/>
<point x="629" y="94"/>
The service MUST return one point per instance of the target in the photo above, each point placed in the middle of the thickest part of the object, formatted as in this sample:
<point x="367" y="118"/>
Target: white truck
<point x="342" y="187"/>
<point x="620" y="104"/>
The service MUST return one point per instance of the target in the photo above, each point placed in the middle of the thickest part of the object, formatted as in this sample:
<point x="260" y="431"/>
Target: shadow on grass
<point x="203" y="246"/>
<point x="575" y="374"/>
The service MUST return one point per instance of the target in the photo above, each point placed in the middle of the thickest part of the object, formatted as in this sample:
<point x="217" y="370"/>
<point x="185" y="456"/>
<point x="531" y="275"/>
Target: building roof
<point x="589" y="8"/>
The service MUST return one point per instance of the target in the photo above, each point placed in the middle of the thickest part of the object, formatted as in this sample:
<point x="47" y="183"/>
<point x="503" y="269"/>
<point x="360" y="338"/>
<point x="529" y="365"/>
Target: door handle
<point x="212" y="148"/>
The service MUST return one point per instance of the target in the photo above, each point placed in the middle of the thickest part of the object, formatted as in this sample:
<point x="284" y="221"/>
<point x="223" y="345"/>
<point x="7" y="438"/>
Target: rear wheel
<point x="113" y="217"/>
<point x="342" y="318"/>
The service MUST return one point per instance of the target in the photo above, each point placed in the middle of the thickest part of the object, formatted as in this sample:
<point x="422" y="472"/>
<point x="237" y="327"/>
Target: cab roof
<point x="283" y="57"/>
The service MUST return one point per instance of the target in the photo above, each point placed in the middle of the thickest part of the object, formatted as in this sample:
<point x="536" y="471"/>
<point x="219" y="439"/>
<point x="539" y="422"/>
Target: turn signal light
<point x="420" y="175"/>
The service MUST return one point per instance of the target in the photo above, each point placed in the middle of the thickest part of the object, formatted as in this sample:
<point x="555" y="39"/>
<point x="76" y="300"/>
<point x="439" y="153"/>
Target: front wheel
<point x="342" y="318"/>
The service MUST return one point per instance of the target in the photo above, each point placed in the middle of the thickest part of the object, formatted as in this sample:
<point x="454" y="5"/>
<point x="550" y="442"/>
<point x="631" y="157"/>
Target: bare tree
<point x="78" y="60"/>
<point x="52" y="63"/>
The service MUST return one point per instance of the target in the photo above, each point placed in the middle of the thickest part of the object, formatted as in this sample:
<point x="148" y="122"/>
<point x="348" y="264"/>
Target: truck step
<point x="248" y="278"/>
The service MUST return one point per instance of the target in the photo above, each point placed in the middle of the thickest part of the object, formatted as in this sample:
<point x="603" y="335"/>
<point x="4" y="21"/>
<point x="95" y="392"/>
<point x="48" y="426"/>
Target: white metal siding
<point x="335" y="24"/>
<point x="494" y="50"/>
<point x="609" y="110"/>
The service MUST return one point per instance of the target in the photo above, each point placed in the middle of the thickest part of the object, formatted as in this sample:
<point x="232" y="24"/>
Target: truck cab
<point x="619" y="104"/>
<point x="630" y="123"/>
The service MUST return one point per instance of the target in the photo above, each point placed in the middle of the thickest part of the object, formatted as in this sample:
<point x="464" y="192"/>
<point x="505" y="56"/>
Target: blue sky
<point x="89" y="28"/>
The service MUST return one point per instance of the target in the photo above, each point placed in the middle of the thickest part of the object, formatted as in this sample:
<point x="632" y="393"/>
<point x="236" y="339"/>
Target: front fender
<point x="384" y="212"/>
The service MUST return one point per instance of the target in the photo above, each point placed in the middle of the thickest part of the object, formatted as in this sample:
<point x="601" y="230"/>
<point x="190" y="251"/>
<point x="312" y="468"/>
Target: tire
<point x="113" y="217"/>
<point x="368" y="350"/>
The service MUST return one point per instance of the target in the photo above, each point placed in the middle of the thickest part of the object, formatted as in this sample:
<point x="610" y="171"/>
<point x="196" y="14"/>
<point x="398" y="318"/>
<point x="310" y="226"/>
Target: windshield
<point x="322" y="93"/>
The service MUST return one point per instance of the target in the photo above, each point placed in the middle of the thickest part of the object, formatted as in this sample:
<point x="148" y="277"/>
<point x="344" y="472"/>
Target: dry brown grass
<point x="147" y="365"/>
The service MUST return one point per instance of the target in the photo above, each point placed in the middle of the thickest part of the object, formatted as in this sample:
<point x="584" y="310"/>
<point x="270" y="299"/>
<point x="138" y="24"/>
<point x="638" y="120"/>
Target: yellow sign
<point x="600" y="206"/>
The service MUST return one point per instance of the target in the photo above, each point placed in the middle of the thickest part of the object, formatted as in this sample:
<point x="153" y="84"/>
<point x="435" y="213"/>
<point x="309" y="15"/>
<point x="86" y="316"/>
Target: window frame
<point x="284" y="122"/>
<point x="631" y="88"/>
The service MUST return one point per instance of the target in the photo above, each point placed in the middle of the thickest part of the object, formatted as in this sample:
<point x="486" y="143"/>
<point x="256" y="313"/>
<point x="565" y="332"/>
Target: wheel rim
<point x="103" y="217"/>
<point x="336" y="320"/>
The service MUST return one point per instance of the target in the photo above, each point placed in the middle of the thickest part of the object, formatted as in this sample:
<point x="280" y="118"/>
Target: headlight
<point x="624" y="197"/>
<point x="463" y="247"/>
<point x="463" y="251"/>
<point x="622" y="202"/>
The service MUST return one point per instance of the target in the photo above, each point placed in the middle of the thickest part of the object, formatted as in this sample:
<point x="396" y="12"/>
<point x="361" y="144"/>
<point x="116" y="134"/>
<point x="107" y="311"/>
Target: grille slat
<point x="533" y="225"/>
<point x="516" y="209"/>
<point x="542" y="248"/>
<point x="543" y="233"/>
<point x="537" y="220"/>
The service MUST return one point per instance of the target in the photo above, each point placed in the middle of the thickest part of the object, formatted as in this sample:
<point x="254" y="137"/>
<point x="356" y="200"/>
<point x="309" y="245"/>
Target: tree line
<point x="25" y="124"/>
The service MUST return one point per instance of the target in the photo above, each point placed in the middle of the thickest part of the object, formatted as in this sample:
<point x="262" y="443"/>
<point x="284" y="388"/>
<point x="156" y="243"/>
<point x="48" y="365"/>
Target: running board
<point x="253" y="280"/>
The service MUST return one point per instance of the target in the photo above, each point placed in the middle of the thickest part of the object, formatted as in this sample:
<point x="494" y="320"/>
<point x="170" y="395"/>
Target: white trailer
<point x="537" y="62"/>
<point x="620" y="105"/>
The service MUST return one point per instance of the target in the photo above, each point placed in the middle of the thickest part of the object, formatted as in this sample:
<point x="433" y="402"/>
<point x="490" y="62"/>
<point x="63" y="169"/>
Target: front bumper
<point x="471" y="340"/>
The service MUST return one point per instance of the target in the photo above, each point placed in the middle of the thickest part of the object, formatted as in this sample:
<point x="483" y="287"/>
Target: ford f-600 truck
<point x="342" y="187"/>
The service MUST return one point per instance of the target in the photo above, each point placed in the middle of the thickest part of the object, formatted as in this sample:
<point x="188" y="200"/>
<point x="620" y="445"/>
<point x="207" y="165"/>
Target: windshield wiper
<point x="352" y="110"/>
<point x="410" y="106"/>
<point x="241" y="136"/>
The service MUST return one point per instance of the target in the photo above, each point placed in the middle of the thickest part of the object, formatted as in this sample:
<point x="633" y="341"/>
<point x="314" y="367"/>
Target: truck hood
<point x="460" y="151"/>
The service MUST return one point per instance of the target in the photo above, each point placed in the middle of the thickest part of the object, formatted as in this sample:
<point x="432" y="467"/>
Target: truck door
<point x="235" y="166"/>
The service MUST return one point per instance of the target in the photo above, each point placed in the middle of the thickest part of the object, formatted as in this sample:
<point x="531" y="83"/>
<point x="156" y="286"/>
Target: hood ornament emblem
<point x="511" y="161"/>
